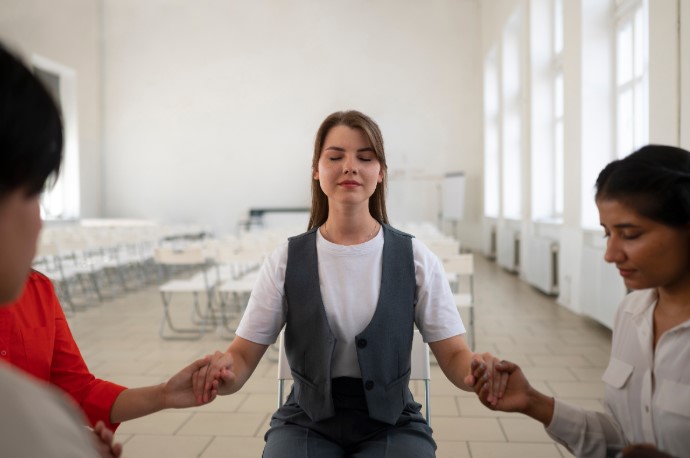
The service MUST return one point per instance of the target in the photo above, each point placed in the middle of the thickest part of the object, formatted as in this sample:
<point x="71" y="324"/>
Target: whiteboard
<point x="453" y="191"/>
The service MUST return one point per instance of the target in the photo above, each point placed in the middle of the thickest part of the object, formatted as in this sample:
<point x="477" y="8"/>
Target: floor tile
<point x="165" y="422"/>
<point x="466" y="428"/>
<point x="144" y="446"/>
<point x="223" y="424"/>
<point x="235" y="447"/>
<point x="513" y="450"/>
<point x="524" y="430"/>
<point x="452" y="449"/>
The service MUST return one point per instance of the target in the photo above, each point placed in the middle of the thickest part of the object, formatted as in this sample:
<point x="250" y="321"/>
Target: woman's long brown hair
<point x="354" y="120"/>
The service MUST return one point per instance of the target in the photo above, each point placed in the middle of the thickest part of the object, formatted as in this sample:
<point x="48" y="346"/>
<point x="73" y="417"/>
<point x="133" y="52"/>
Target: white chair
<point x="443" y="248"/>
<point x="456" y="267"/>
<point x="419" y="371"/>
<point x="236" y="273"/>
<point x="199" y="284"/>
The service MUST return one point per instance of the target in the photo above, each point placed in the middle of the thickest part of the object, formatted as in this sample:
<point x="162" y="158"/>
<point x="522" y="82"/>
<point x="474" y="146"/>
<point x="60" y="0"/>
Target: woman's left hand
<point x="486" y="363"/>
<point x="179" y="390"/>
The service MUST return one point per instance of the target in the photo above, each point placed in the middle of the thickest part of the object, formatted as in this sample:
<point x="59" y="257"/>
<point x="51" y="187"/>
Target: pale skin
<point x="348" y="172"/>
<point x="648" y="254"/>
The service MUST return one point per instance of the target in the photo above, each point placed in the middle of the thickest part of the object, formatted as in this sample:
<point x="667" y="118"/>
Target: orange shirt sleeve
<point x="35" y="336"/>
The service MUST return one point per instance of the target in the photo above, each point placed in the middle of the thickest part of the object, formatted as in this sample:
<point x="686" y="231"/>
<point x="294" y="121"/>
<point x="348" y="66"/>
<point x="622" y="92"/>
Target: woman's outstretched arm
<point x="228" y="372"/>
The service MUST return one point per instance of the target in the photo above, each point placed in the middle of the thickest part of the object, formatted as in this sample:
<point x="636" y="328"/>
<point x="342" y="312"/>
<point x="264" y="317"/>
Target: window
<point x="632" y="107"/>
<point x="491" y="136"/>
<point x="558" y="96"/>
<point x="511" y="147"/>
<point x="61" y="201"/>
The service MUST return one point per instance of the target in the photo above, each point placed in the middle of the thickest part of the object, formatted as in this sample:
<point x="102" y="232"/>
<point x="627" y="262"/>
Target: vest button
<point x="361" y="343"/>
<point x="369" y="385"/>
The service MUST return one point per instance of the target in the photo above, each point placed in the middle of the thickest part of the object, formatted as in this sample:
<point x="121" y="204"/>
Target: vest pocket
<point x="398" y="380"/>
<point x="302" y="379"/>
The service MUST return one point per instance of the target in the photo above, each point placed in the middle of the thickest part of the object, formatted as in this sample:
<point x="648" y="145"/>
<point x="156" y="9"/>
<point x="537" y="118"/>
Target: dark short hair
<point x="654" y="181"/>
<point x="30" y="129"/>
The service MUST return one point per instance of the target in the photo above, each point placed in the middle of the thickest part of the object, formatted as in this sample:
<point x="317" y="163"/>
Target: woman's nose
<point x="614" y="253"/>
<point x="349" y="166"/>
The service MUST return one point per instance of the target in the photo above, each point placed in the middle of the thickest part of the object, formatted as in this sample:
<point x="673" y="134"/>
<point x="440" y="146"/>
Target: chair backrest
<point x="444" y="248"/>
<point x="461" y="264"/>
<point x="420" y="369"/>
<point x="186" y="256"/>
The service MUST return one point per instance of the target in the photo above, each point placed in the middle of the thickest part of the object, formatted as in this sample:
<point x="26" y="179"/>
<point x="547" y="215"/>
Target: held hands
<point x="514" y="386"/>
<point x="180" y="390"/>
<point x="518" y="394"/>
<point x="215" y="377"/>
<point x="483" y="373"/>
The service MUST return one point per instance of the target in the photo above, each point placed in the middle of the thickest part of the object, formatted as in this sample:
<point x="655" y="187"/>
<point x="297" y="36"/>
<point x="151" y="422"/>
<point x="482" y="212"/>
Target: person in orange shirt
<point x="35" y="337"/>
<point x="35" y="420"/>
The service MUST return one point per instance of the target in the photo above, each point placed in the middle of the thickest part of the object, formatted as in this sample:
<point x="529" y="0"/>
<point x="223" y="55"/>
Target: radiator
<point x="601" y="286"/>
<point x="508" y="249"/>
<point x="541" y="264"/>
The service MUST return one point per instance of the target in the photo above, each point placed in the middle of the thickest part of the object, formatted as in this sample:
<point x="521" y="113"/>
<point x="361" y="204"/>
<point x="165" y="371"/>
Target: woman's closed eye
<point x="625" y="235"/>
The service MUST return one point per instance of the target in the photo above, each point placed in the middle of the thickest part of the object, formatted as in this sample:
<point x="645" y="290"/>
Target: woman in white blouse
<point x="644" y="208"/>
<point x="348" y="293"/>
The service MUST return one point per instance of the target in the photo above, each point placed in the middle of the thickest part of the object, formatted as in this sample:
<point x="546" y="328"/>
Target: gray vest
<point x="383" y="348"/>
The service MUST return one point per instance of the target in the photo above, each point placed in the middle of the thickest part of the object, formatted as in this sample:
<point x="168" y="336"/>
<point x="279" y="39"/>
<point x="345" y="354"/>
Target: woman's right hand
<point x="519" y="396"/>
<point x="516" y="395"/>
<point x="217" y="377"/>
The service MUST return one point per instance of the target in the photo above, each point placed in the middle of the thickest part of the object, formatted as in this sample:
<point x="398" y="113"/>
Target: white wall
<point x="66" y="32"/>
<point x="211" y="106"/>
<point x="685" y="74"/>
<point x="664" y="72"/>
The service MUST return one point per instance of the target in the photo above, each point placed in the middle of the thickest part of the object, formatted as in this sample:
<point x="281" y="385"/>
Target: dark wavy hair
<point x="30" y="129"/>
<point x="354" y="120"/>
<point x="654" y="181"/>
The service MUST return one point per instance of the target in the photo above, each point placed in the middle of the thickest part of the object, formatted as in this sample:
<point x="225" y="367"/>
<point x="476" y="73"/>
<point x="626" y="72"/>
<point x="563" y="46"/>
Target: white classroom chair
<point x="200" y="283"/>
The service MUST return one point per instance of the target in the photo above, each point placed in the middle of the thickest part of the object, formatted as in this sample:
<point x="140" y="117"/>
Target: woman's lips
<point x="625" y="272"/>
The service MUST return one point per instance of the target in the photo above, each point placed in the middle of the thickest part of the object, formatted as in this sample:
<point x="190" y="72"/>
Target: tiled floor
<point x="561" y="353"/>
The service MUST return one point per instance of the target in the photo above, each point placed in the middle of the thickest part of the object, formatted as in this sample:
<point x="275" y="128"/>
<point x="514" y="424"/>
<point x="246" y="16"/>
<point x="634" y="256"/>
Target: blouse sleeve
<point x="69" y="372"/>
<point x="585" y="433"/>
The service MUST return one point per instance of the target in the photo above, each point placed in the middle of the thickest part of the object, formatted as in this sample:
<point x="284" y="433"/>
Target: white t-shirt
<point x="350" y="281"/>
